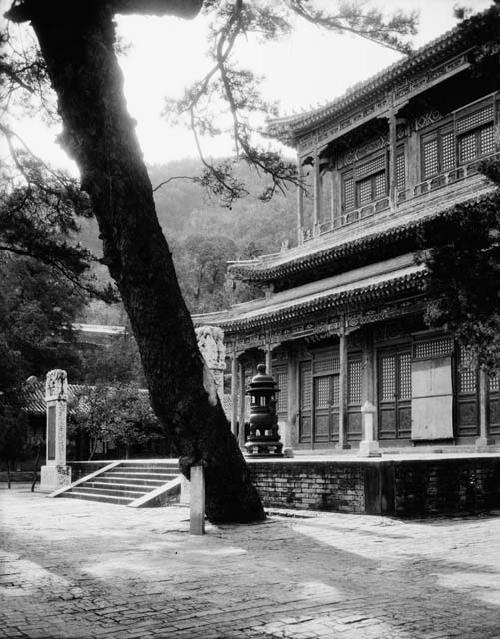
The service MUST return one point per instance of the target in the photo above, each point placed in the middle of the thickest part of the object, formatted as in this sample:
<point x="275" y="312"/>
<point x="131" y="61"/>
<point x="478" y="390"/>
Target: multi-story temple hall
<point x="340" y="322"/>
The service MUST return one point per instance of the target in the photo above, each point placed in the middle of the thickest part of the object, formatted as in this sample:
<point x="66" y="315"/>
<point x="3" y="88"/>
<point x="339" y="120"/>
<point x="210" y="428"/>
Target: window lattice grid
<point x="493" y="383"/>
<point x="282" y="379"/>
<point x="322" y="392"/>
<point x="305" y="386"/>
<point x="467" y="380"/>
<point x="486" y="140"/>
<point x="467" y="147"/>
<point x="374" y="166"/>
<point x="447" y="151"/>
<point x="328" y="365"/>
<point x="467" y="372"/>
<point x="348" y="193"/>
<point x="364" y="191"/>
<point x="405" y="376"/>
<point x="433" y="348"/>
<point x="473" y="120"/>
<point x="400" y="171"/>
<point x="354" y="379"/>
<point x="388" y="367"/>
<point x="335" y="390"/>
<point x="380" y="186"/>
<point x="430" y="158"/>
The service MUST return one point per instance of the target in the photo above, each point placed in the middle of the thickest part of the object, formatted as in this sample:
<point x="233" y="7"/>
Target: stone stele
<point x="56" y="474"/>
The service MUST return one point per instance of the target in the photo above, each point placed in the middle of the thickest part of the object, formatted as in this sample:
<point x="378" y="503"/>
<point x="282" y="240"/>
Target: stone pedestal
<point x="55" y="474"/>
<point x="197" y="501"/>
<point x="368" y="447"/>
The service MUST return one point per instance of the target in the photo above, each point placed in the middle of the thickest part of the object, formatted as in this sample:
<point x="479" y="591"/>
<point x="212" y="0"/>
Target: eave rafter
<point x="413" y="283"/>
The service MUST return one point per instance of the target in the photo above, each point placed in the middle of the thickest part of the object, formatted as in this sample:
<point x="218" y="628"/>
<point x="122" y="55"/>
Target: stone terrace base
<point x="406" y="486"/>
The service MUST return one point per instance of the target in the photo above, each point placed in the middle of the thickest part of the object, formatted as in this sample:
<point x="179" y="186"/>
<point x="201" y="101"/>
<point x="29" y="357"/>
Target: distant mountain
<point x="185" y="212"/>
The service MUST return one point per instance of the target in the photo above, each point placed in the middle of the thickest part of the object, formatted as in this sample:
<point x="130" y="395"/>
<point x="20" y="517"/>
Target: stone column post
<point x="482" y="441"/>
<point x="368" y="447"/>
<point x="343" y="390"/>
<point x="211" y="345"/>
<point x="56" y="474"/>
<point x="317" y="195"/>
<point x="242" y="397"/>
<point x="293" y="404"/>
<point x="234" y="393"/>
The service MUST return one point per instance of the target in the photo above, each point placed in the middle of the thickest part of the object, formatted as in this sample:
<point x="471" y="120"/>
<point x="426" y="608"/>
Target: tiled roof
<point x="371" y="283"/>
<point x="403" y="222"/>
<point x="432" y="52"/>
<point x="32" y="396"/>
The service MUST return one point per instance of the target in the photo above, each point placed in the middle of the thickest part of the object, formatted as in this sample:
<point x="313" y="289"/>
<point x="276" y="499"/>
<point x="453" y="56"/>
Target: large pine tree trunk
<point x="76" y="39"/>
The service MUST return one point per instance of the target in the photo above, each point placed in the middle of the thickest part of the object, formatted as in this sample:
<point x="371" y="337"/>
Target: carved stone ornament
<point x="56" y="385"/>
<point x="211" y="345"/>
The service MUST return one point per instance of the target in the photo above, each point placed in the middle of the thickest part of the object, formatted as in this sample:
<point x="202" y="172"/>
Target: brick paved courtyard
<point x="80" y="569"/>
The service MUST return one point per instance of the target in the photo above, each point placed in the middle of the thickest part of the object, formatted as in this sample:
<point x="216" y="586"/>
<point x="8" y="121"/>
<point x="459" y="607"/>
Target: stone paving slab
<point x="87" y="570"/>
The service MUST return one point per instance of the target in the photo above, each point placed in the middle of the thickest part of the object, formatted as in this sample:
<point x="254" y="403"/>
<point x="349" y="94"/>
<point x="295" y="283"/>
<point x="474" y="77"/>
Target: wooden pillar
<point x="300" y="202"/>
<point x="392" y="158"/>
<point x="241" y="431"/>
<point x="317" y="195"/>
<point x="269" y="359"/>
<point x="483" y="440"/>
<point x="234" y="393"/>
<point x="290" y="437"/>
<point x="342" y="390"/>
<point x="368" y="368"/>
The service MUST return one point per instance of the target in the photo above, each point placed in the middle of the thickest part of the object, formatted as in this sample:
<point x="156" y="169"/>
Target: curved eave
<point x="287" y="129"/>
<point x="410" y="280"/>
<point x="406" y="227"/>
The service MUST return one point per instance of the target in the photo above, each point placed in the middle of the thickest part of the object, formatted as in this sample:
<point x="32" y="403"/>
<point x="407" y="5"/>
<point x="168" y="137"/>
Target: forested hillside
<point x="203" y="235"/>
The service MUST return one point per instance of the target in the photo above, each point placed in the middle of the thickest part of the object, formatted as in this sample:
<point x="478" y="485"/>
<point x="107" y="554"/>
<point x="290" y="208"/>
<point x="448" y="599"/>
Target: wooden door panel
<point x="394" y="393"/>
<point x="387" y="423"/>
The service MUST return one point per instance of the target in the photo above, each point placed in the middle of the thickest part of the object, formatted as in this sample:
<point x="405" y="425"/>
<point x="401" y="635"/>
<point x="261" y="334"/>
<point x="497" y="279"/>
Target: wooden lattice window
<point x="282" y="379"/>
<point x="326" y="365"/>
<point x="438" y="347"/>
<point x="322" y="392"/>
<point x="348" y="192"/>
<point x="467" y="372"/>
<point x="305" y="385"/>
<point x="366" y="183"/>
<point x="476" y="144"/>
<point x="354" y="382"/>
<point x="388" y="389"/>
<point x="405" y="376"/>
<point x="400" y="170"/>
<point x="438" y="152"/>
<point x="493" y="383"/>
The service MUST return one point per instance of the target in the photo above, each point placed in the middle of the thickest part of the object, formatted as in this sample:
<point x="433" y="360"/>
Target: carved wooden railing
<point x="406" y="195"/>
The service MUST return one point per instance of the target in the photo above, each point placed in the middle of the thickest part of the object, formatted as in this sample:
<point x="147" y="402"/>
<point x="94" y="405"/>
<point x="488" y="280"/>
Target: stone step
<point x="118" y="492"/>
<point x="128" y="479"/>
<point x="169" y="467"/>
<point x="96" y="497"/>
<point x="141" y="488"/>
<point x="140" y="475"/>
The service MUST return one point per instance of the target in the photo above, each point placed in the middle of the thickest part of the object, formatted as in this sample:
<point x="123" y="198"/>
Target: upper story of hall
<point x="393" y="151"/>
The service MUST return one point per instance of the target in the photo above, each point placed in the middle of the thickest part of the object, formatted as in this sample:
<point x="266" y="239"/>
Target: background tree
<point x="12" y="433"/>
<point x="463" y="288"/>
<point x="119" y="415"/>
<point x="78" y="48"/>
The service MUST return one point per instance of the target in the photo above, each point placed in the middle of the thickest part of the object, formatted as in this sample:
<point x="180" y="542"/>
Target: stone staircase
<point x="132" y="483"/>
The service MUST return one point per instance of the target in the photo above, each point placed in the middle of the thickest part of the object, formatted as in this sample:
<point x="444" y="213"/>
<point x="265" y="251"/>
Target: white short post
<point x="55" y="474"/>
<point x="368" y="447"/>
<point x="197" y="501"/>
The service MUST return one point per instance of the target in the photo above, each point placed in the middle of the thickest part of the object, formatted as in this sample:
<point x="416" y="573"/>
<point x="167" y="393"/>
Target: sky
<point x="308" y="68"/>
